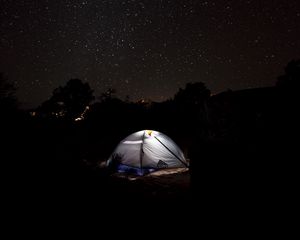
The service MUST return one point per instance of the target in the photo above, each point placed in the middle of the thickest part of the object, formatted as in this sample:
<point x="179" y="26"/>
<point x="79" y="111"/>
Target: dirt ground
<point x="165" y="184"/>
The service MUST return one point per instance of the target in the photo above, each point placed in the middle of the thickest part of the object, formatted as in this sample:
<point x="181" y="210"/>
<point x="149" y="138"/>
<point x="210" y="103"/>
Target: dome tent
<point x="146" y="151"/>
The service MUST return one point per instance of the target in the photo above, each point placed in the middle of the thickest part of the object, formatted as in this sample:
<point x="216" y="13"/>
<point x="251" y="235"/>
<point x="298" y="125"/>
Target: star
<point x="135" y="46"/>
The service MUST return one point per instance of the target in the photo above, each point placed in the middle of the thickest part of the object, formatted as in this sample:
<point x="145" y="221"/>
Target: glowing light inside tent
<point x="149" y="132"/>
<point x="146" y="151"/>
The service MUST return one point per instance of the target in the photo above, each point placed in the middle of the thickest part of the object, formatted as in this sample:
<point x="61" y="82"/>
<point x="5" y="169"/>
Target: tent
<point x="146" y="151"/>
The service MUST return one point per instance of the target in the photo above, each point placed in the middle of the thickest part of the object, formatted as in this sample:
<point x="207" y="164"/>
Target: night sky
<point x="147" y="48"/>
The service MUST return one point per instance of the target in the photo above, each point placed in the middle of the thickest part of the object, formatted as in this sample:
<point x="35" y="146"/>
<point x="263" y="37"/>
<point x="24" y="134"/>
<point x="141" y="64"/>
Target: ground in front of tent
<point x="164" y="184"/>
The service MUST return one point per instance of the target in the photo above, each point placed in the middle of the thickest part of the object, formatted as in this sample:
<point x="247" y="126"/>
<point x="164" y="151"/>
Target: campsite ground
<point x="164" y="196"/>
<point x="163" y="184"/>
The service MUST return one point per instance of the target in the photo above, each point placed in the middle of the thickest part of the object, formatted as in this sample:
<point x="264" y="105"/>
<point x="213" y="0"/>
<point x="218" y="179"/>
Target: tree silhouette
<point x="290" y="81"/>
<point x="108" y="95"/>
<point x="8" y="102"/>
<point x="191" y="101"/>
<point x="288" y="86"/>
<point x="190" y="110"/>
<point x="194" y="94"/>
<point x="68" y="102"/>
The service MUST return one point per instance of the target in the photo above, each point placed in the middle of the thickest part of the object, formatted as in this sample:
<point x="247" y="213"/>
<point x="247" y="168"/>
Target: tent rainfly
<point x="146" y="151"/>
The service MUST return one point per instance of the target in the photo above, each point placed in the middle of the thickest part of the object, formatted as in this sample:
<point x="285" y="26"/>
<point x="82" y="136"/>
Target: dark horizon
<point x="145" y="49"/>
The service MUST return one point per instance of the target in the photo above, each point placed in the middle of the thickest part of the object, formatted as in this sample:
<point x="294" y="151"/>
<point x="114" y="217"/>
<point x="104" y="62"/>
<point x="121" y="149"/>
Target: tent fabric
<point x="121" y="168"/>
<point x="146" y="151"/>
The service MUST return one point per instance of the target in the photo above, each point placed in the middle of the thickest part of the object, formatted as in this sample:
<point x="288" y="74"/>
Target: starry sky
<point x="147" y="48"/>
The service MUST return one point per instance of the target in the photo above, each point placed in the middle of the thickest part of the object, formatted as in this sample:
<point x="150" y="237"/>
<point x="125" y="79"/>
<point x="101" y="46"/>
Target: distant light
<point x="78" y="119"/>
<point x="82" y="115"/>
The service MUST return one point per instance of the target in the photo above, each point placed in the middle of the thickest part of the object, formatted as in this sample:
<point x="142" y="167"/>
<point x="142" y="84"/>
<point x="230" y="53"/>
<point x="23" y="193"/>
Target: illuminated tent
<point x="146" y="151"/>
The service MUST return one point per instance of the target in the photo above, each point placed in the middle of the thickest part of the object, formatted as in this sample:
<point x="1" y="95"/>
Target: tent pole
<point x="142" y="152"/>
<point x="171" y="152"/>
